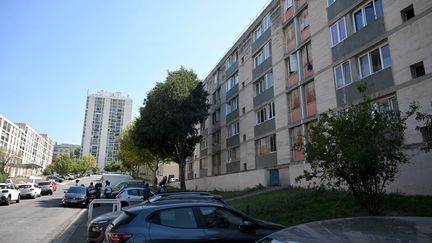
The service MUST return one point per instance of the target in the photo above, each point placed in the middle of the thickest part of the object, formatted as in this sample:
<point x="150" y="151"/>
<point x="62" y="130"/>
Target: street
<point x="41" y="219"/>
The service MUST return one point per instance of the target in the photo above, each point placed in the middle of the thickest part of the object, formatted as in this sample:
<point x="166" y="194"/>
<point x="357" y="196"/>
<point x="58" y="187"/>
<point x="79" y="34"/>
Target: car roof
<point x="158" y="205"/>
<point x="359" y="229"/>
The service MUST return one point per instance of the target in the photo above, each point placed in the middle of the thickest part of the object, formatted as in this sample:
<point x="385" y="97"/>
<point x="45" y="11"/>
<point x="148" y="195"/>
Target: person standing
<point x="146" y="192"/>
<point x="77" y="182"/>
<point x="108" y="190"/>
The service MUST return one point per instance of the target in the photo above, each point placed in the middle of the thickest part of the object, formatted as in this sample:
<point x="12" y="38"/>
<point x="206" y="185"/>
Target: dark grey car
<point x="187" y="222"/>
<point x="360" y="229"/>
<point x="97" y="227"/>
<point x="75" y="195"/>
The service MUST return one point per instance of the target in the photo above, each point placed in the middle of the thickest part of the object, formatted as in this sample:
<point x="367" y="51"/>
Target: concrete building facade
<point x="298" y="59"/>
<point x="28" y="151"/>
<point x="106" y="115"/>
<point x="64" y="149"/>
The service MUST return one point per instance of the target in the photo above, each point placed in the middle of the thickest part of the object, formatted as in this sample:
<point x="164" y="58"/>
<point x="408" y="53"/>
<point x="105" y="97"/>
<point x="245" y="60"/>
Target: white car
<point x="29" y="190"/>
<point x="130" y="196"/>
<point x="9" y="193"/>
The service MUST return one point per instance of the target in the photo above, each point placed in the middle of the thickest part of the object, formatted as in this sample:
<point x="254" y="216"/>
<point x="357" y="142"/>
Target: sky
<point x="53" y="53"/>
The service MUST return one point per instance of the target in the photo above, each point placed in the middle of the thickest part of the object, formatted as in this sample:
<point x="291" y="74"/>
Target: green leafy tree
<point x="86" y="164"/>
<point x="63" y="164"/>
<point x="49" y="170"/>
<point x="425" y="126"/>
<point x="167" y="122"/>
<point x="116" y="166"/>
<point x="133" y="156"/>
<point x="358" y="148"/>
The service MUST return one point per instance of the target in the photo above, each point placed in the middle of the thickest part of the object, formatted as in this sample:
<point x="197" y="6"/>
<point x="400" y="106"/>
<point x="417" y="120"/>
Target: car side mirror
<point x="247" y="227"/>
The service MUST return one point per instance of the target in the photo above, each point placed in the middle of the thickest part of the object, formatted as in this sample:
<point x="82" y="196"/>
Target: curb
<point x="71" y="228"/>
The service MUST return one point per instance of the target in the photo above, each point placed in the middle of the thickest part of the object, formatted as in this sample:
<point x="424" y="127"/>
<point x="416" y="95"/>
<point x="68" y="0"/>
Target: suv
<point x="9" y="193"/>
<point x="96" y="228"/>
<point x="46" y="187"/>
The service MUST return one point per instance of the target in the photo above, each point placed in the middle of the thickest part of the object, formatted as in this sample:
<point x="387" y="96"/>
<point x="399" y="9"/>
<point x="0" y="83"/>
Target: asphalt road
<point x="41" y="219"/>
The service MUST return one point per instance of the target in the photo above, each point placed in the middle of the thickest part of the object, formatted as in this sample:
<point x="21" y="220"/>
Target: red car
<point x="54" y="185"/>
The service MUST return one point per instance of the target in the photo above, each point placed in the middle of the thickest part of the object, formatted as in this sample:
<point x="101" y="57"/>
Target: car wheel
<point x="51" y="193"/>
<point x="34" y="196"/>
<point x="19" y="198"/>
<point x="8" y="200"/>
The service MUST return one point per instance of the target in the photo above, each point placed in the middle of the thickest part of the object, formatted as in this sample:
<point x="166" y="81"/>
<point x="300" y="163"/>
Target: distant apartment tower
<point x="64" y="149"/>
<point x="105" y="117"/>
<point x="298" y="59"/>
<point x="27" y="151"/>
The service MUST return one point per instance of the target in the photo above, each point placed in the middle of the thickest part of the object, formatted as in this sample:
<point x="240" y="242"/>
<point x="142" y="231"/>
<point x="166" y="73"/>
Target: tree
<point x="134" y="156"/>
<point x="425" y="126"/>
<point x="167" y="122"/>
<point x="115" y="166"/>
<point x="86" y="164"/>
<point x="7" y="159"/>
<point x="358" y="148"/>
<point x="63" y="164"/>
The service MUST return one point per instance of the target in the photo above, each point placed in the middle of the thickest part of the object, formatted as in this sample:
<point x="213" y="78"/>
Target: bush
<point x="3" y="176"/>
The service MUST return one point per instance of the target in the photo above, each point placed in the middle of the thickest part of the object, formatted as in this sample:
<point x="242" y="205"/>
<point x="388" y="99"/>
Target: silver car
<point x="131" y="195"/>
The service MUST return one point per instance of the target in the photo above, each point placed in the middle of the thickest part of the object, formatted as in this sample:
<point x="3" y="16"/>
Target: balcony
<point x="289" y="13"/>
<point x="295" y="115"/>
<point x="233" y="167"/>
<point x="293" y="79"/>
<point x="266" y="161"/>
<point x="307" y="70"/>
<point x="265" y="127"/>
<point x="305" y="34"/>
<point x="290" y="45"/>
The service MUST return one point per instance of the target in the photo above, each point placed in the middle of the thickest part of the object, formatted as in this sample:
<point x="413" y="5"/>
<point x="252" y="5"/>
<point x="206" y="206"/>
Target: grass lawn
<point x="293" y="206"/>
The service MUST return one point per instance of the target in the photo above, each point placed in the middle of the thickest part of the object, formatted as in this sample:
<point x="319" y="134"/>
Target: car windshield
<point x="80" y="190"/>
<point x="3" y="186"/>
<point x="46" y="183"/>
<point x="25" y="186"/>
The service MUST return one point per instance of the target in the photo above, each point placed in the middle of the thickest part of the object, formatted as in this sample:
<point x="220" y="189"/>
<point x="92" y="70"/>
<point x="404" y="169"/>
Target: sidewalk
<point x="77" y="231"/>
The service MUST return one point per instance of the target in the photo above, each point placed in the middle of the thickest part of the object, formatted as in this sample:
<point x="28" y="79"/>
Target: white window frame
<point x="267" y="143"/>
<point x="232" y="105"/>
<point x="265" y="113"/>
<point x="338" y="32"/>
<point x="292" y="64"/>
<point x="330" y="2"/>
<point x="341" y="66"/>
<point x="263" y="84"/>
<point x="232" y="151"/>
<point x="262" y="27"/>
<point x="233" y="129"/>
<point x="288" y="4"/>
<point x="362" y="9"/>
<point x="370" y="61"/>
<point x="263" y="54"/>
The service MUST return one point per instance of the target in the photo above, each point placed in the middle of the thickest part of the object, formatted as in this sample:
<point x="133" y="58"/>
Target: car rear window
<point x="25" y="186"/>
<point x="81" y="190"/>
<point x="3" y="187"/>
<point x="46" y="183"/>
<point x="124" y="218"/>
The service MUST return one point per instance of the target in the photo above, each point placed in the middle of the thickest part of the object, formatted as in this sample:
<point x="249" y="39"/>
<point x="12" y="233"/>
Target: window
<point x="292" y="64"/>
<point x="375" y="61"/>
<point x="264" y="83"/>
<point x="310" y="98"/>
<point x="234" y="154"/>
<point x="216" y="116"/>
<point x="216" y="137"/>
<point x="177" y="218"/>
<point x="267" y="112"/>
<point x="330" y="2"/>
<point x="216" y="217"/>
<point x="203" y="143"/>
<point x="262" y="55"/>
<point x="288" y="4"/>
<point x="233" y="129"/>
<point x="407" y="13"/>
<point x="231" y="60"/>
<point x="266" y="145"/>
<point x="265" y="24"/>
<point x="342" y="74"/>
<point x="289" y="33"/>
<point x="417" y="70"/>
<point x="307" y="57"/>
<point x="338" y="32"/>
<point x="304" y="19"/>
<point x="367" y="14"/>
<point x="232" y="81"/>
<point x="216" y="96"/>
<point x="232" y="105"/>
<point x="296" y="138"/>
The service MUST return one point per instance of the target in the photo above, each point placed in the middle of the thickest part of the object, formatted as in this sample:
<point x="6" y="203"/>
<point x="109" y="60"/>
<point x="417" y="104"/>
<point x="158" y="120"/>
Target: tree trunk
<point x="182" y="165"/>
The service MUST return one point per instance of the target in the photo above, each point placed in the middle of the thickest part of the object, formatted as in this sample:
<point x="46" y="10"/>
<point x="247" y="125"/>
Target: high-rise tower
<point x="105" y="116"/>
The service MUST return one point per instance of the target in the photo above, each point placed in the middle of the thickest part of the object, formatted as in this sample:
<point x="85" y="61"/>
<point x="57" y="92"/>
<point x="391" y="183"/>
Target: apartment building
<point x="298" y="59"/>
<point x="28" y="151"/>
<point x="106" y="115"/>
<point x="64" y="149"/>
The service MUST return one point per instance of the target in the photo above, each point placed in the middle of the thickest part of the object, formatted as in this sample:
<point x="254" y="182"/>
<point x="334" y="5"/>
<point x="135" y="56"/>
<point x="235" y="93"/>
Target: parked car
<point x="54" y="178"/>
<point x="9" y="193"/>
<point x="46" y="187"/>
<point x="130" y="196"/>
<point x="97" y="227"/>
<point x="186" y="221"/>
<point x="359" y="229"/>
<point x="75" y="195"/>
<point x="29" y="190"/>
<point x="125" y="184"/>
<point x="54" y="185"/>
